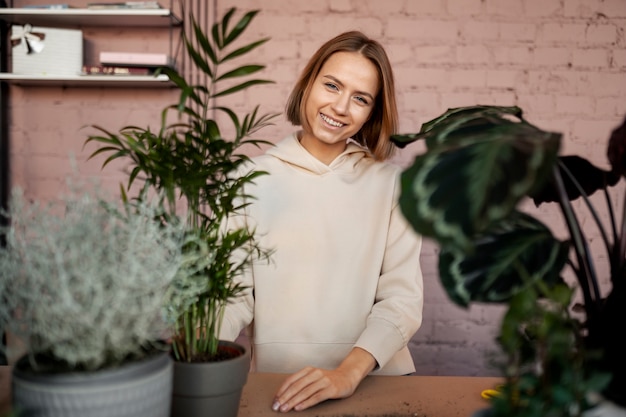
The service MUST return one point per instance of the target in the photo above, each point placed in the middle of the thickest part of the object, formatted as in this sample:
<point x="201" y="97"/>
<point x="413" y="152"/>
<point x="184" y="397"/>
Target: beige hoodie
<point x="345" y="271"/>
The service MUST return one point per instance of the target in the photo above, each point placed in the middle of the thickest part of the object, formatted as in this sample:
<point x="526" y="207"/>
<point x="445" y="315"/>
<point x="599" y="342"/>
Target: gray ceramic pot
<point x="136" y="389"/>
<point x="210" y="388"/>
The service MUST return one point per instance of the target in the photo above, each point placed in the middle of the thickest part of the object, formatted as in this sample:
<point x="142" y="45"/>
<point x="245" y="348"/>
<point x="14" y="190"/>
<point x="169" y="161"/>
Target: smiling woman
<point x="340" y="102"/>
<point x="343" y="293"/>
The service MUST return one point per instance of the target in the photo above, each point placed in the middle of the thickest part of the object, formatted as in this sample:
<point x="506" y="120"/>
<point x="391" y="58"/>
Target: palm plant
<point x="199" y="175"/>
<point x="464" y="192"/>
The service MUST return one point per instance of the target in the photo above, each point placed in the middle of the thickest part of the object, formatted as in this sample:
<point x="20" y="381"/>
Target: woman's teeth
<point x="331" y="121"/>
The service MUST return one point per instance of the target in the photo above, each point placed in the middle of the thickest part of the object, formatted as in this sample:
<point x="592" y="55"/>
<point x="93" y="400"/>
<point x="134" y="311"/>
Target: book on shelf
<point x="136" y="59"/>
<point x="54" y="6"/>
<point x="125" y="5"/>
<point x="116" y="70"/>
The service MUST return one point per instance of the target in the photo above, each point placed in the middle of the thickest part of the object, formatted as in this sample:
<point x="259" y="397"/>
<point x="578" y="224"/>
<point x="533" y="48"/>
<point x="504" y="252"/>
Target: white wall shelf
<point x="90" y="17"/>
<point x="133" y="81"/>
<point x="85" y="18"/>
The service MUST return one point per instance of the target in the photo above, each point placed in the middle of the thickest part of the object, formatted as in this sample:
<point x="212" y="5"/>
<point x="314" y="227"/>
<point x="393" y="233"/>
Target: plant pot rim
<point x="133" y="368"/>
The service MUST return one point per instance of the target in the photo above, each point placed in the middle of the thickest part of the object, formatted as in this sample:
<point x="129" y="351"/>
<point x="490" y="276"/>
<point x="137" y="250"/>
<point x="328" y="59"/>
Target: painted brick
<point x="574" y="105"/>
<point x="472" y="54"/>
<point x="468" y="78"/>
<point x="551" y="57"/>
<point x="434" y="54"/>
<point x="421" y="29"/>
<point x="380" y="8"/>
<point x="404" y="53"/>
<point x="422" y="7"/>
<point x="540" y="103"/>
<point x="504" y="8"/>
<point x="422" y="77"/>
<point x="465" y="7"/>
<point x="610" y="106"/>
<point x="619" y="58"/>
<point x="581" y="8"/>
<point x="478" y="30"/>
<point x="512" y="55"/>
<point x="419" y="101"/>
<point x="504" y="78"/>
<point x="341" y="6"/>
<point x="566" y="33"/>
<point x="591" y="58"/>
<point x="518" y="32"/>
<point x="542" y="8"/>
<point x="451" y="100"/>
<point x="602" y="34"/>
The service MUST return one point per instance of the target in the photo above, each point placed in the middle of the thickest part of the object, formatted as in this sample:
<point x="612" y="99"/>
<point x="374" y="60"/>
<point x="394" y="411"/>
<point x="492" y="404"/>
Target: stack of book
<point x="129" y="63"/>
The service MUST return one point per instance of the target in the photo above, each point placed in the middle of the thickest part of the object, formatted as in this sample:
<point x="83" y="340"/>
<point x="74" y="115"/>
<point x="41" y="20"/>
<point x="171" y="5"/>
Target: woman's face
<point x="340" y="102"/>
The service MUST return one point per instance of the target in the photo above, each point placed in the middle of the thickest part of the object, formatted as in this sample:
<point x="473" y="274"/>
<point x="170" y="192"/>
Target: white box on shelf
<point x="46" y="51"/>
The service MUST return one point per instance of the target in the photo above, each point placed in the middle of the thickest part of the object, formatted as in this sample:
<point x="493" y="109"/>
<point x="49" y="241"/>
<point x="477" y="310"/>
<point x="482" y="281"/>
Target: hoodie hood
<point x="290" y="151"/>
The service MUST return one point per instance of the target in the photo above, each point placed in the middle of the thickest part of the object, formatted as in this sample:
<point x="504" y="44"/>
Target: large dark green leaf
<point x="514" y="255"/>
<point x="616" y="151"/>
<point x="474" y="176"/>
<point x="459" y="122"/>
<point x="579" y="176"/>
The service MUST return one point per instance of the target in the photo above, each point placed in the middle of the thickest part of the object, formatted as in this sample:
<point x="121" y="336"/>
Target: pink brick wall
<point x="562" y="61"/>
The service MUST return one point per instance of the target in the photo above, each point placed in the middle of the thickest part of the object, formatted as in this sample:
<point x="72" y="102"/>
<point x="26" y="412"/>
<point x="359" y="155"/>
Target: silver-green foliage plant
<point x="83" y="282"/>
<point x="199" y="175"/>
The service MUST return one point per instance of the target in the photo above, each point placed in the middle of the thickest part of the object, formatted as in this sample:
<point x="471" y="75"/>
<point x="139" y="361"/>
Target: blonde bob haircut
<point x="383" y="122"/>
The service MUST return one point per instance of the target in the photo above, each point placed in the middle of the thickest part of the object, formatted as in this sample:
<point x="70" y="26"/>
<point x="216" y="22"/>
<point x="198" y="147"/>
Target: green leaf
<point x="244" y="50"/>
<point x="226" y="21"/>
<point x="240" y="87"/>
<point x="514" y="255"/>
<point x="240" y="72"/>
<point x="200" y="62"/>
<point x="240" y="27"/>
<point x="204" y="43"/>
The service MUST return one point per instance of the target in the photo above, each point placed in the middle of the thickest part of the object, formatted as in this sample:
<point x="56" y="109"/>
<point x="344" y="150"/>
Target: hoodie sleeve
<point x="397" y="312"/>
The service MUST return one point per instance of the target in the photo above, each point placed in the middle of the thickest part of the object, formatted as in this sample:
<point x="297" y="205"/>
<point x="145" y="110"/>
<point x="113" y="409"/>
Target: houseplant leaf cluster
<point x="83" y="281"/>
<point x="465" y="191"/>
<point x="199" y="175"/>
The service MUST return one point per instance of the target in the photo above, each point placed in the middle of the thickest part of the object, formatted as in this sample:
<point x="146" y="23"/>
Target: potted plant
<point x="465" y="192"/>
<point x="82" y="286"/>
<point x="199" y="175"/>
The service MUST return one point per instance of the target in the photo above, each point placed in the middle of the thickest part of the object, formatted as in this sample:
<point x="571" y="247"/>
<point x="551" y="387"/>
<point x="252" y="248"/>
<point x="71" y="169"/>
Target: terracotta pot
<point x="135" y="389"/>
<point x="210" y="388"/>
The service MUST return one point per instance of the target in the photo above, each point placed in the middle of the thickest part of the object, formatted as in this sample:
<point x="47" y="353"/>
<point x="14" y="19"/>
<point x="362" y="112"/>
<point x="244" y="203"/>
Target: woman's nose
<point x="341" y="104"/>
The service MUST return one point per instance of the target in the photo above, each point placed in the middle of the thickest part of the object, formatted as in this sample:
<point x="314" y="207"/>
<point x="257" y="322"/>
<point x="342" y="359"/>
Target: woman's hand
<point x="311" y="386"/>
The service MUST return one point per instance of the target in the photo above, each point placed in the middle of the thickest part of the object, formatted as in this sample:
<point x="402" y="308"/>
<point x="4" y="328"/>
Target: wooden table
<point x="377" y="396"/>
<point x="380" y="396"/>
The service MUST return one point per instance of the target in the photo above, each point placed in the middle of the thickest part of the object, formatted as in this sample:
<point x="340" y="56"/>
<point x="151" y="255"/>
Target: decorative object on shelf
<point x="137" y="59"/>
<point x="198" y="174"/>
<point x="480" y="163"/>
<point x="83" y="283"/>
<point x="117" y="70"/>
<point x="44" y="50"/>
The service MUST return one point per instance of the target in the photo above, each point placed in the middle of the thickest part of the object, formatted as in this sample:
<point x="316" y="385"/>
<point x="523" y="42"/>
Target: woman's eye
<point x="361" y="100"/>
<point x="331" y="86"/>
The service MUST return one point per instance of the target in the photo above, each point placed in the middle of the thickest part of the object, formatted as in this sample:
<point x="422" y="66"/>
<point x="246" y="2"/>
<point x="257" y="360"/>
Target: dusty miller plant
<point x="199" y="175"/>
<point x="83" y="282"/>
